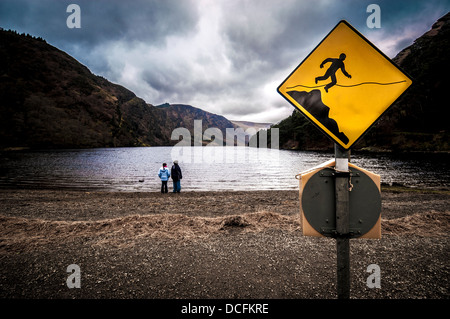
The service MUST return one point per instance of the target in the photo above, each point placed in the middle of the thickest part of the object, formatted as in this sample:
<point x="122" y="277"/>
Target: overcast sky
<point x="224" y="56"/>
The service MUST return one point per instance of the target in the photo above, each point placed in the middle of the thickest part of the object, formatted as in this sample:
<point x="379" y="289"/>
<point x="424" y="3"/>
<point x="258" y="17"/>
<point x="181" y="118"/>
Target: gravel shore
<point x="212" y="245"/>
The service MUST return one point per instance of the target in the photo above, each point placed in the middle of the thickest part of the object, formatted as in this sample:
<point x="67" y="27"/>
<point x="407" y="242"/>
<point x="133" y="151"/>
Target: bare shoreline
<point x="210" y="245"/>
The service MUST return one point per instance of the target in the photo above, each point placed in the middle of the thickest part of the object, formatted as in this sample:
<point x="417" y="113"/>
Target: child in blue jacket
<point x="164" y="175"/>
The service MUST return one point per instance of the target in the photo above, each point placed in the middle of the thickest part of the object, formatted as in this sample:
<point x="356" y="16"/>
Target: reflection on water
<point x="207" y="168"/>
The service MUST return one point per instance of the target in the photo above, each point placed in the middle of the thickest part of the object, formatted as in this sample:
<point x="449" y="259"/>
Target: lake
<point x="204" y="168"/>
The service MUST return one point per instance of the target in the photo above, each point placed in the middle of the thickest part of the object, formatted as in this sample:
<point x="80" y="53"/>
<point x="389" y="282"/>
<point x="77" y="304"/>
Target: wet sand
<point x="212" y="245"/>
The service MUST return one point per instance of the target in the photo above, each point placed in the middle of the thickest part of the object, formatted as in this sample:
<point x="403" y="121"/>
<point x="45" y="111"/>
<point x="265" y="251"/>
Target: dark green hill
<point x="49" y="100"/>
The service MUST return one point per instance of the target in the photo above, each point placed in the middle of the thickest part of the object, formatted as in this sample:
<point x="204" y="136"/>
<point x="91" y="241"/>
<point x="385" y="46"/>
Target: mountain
<point x="418" y="121"/>
<point x="49" y="100"/>
<point x="183" y="116"/>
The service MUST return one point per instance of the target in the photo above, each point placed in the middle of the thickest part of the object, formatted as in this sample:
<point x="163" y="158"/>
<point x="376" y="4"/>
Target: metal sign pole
<point x="342" y="221"/>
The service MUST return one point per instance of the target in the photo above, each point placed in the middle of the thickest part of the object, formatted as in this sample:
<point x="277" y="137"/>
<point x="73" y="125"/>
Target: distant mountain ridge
<point x="50" y="100"/>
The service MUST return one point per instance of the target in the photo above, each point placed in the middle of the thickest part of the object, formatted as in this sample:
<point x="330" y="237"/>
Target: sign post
<point x="342" y="221"/>
<point x="343" y="87"/>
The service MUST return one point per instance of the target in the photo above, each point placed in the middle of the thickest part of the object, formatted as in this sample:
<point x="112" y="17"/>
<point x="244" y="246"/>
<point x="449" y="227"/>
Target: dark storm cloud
<point x="269" y="32"/>
<point x="225" y="56"/>
<point x="101" y="20"/>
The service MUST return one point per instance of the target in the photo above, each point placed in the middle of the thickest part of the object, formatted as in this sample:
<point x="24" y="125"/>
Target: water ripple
<point x="231" y="168"/>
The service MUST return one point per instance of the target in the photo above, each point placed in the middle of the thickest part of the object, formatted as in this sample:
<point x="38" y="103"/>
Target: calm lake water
<point x="204" y="168"/>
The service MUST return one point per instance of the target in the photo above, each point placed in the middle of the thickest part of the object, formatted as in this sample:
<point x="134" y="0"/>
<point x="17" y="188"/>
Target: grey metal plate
<point x="318" y="203"/>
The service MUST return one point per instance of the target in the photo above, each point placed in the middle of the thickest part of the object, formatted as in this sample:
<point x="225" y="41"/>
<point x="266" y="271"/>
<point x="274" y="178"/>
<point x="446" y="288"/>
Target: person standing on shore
<point x="176" y="177"/>
<point x="164" y="175"/>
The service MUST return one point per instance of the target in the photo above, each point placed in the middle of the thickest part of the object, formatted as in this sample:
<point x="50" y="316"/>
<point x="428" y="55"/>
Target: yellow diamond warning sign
<point x="344" y="85"/>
